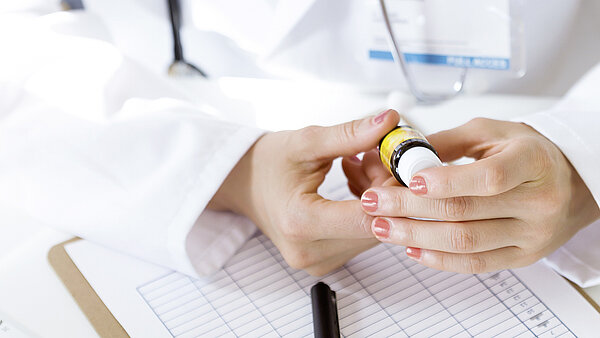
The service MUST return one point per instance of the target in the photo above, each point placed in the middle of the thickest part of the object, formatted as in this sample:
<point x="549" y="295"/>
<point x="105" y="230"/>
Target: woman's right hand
<point x="275" y="185"/>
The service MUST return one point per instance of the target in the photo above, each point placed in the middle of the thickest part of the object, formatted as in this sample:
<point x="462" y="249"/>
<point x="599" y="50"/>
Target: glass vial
<point x="404" y="151"/>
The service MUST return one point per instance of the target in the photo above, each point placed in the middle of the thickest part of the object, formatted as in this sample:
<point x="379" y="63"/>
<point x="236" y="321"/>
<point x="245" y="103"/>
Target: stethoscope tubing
<point x="421" y="96"/>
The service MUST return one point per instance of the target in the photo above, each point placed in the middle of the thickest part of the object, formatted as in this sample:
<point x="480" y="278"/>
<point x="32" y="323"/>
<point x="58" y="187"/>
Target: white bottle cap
<point x="414" y="160"/>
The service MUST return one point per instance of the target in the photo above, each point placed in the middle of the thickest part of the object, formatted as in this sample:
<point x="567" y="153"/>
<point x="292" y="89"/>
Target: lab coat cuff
<point x="228" y="232"/>
<point x="572" y="267"/>
<point x="232" y="234"/>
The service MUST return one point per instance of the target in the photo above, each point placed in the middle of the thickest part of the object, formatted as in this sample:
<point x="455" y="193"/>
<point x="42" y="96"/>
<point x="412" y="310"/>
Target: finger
<point x="458" y="237"/>
<point x="354" y="190"/>
<point x="520" y="161"/>
<point x="352" y="167"/>
<point x="353" y="249"/>
<point x="472" y="263"/>
<point x="373" y="168"/>
<point x="397" y="201"/>
<point x="336" y="220"/>
<point x="324" y="143"/>
<point x="302" y="255"/>
<point x="468" y="139"/>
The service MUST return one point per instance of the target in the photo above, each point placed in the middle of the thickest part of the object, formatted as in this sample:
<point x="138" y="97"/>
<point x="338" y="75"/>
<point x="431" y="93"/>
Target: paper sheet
<point x="8" y="329"/>
<point x="380" y="292"/>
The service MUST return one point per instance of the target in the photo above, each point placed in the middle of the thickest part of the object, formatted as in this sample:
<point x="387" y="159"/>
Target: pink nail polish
<point x="369" y="201"/>
<point x="418" y="186"/>
<point x="380" y="117"/>
<point x="381" y="228"/>
<point x="414" y="253"/>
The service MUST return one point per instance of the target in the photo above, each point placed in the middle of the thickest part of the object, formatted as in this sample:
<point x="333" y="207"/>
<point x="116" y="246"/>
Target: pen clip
<point x="334" y="312"/>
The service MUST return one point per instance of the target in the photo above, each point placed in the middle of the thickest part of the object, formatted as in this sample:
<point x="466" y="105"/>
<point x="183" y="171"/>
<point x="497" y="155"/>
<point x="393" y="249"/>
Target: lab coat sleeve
<point x="92" y="143"/>
<point x="574" y="126"/>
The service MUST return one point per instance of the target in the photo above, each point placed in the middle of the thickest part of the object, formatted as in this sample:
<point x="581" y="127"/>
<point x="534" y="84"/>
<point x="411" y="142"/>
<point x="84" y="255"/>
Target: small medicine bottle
<point x="404" y="151"/>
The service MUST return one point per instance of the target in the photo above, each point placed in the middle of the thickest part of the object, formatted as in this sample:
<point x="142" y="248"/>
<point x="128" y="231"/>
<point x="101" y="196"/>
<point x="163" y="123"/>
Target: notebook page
<point x="8" y="328"/>
<point x="380" y="292"/>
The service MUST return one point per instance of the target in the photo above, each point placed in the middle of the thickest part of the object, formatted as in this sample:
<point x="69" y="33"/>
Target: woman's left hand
<point x="519" y="201"/>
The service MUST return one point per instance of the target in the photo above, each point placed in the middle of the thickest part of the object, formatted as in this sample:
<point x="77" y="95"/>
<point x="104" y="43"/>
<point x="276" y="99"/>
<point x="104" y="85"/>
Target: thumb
<point x="351" y="138"/>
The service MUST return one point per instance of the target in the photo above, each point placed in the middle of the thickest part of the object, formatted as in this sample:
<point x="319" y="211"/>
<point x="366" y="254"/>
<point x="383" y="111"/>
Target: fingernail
<point x="414" y="253"/>
<point x="381" y="228"/>
<point x="379" y="118"/>
<point x="369" y="201"/>
<point x="418" y="186"/>
<point x="354" y="159"/>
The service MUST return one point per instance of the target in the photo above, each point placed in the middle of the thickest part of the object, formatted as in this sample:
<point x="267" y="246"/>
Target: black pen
<point x="324" y="309"/>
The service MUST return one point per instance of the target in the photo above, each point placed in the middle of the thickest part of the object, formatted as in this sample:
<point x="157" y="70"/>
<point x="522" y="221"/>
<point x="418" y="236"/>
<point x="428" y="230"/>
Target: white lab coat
<point x="94" y="140"/>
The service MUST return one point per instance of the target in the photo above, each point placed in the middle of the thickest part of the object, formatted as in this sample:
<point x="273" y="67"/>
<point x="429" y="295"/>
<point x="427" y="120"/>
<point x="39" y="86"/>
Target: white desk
<point x="32" y="295"/>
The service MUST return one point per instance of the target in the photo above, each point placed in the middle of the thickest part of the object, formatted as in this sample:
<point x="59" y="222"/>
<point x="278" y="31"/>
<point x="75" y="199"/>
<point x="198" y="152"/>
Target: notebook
<point x="381" y="292"/>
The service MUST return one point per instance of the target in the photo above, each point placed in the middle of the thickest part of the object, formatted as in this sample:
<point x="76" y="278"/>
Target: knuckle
<point x="297" y="257"/>
<point x="310" y="132"/>
<point x="478" y="122"/>
<point x="449" y="184"/>
<point x="409" y="234"/>
<point x="399" y="202"/>
<point x="293" y="231"/>
<point x="305" y="139"/>
<point x="365" y="224"/>
<point x="456" y="208"/>
<point x="496" y="179"/>
<point x="539" y="156"/>
<point x="462" y="239"/>
<point x="475" y="264"/>
<point x="349" y="130"/>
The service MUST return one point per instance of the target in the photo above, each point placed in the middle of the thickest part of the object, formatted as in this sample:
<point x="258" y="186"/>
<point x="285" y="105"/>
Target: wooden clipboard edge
<point x="585" y="295"/>
<point x="105" y="324"/>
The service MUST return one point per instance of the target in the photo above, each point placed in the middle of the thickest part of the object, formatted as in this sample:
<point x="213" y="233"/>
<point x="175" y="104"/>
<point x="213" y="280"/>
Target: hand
<point x="518" y="202"/>
<point x="275" y="185"/>
<point x="366" y="173"/>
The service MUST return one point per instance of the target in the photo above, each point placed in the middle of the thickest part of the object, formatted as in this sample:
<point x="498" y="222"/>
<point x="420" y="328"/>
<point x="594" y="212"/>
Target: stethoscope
<point x="399" y="59"/>
<point x="180" y="66"/>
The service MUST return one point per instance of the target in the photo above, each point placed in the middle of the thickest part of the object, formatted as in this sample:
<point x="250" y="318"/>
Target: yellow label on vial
<point x="393" y="139"/>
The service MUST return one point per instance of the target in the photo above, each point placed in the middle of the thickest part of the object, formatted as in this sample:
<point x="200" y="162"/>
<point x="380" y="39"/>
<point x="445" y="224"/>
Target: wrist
<point x="582" y="206"/>
<point x="234" y="193"/>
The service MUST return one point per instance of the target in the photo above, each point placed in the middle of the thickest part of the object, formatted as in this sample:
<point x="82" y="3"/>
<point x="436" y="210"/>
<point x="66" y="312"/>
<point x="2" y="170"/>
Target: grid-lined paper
<point x="380" y="292"/>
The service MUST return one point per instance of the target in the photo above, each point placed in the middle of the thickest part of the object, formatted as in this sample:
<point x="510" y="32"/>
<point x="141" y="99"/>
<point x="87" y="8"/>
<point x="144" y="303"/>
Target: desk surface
<point x="32" y="295"/>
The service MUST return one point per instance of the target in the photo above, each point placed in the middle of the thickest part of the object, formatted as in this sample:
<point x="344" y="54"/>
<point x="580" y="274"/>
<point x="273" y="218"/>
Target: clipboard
<point x="105" y="324"/>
